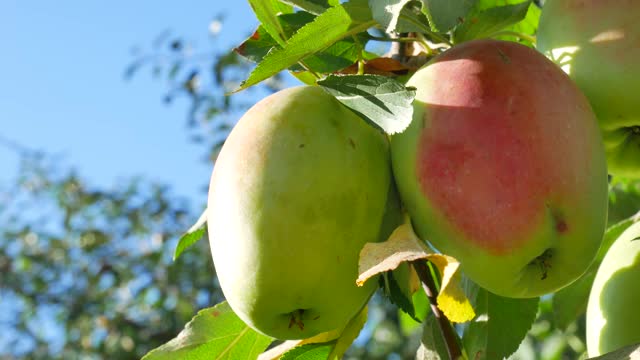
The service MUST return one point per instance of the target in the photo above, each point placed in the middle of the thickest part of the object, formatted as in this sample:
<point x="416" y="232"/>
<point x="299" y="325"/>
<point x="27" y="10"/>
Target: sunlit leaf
<point x="332" y="25"/>
<point x="214" y="333"/>
<point x="195" y="233"/>
<point x="336" y="57"/>
<point x="316" y="7"/>
<point x="387" y="12"/>
<point x="267" y="12"/>
<point x="381" y="100"/>
<point x="527" y="26"/>
<point x="402" y="246"/>
<point x="310" y="352"/>
<point x="489" y="21"/>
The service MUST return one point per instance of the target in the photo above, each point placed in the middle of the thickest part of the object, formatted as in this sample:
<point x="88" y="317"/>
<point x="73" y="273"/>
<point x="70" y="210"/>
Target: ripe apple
<point x="299" y="187"/>
<point x="613" y="314"/>
<point x="503" y="167"/>
<point x="598" y="44"/>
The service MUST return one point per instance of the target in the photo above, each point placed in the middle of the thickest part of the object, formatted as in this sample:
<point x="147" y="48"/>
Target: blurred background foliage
<point x="87" y="272"/>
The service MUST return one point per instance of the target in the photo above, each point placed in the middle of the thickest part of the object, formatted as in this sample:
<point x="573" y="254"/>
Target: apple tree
<point x="465" y="172"/>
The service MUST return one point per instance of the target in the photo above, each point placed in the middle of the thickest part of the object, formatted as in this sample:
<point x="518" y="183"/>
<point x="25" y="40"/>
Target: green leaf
<point x="387" y="12"/>
<point x="331" y="26"/>
<point x="631" y="352"/>
<point x="349" y="334"/>
<point x="195" y="233"/>
<point x="379" y="99"/>
<point x="400" y="16"/>
<point x="528" y="26"/>
<point x="432" y="344"/>
<point x="396" y="293"/>
<point x="336" y="57"/>
<point x="412" y="19"/>
<point x="266" y="11"/>
<point x="446" y="14"/>
<point x="500" y="326"/>
<point x="304" y="77"/>
<point x="422" y="309"/>
<point x="489" y="21"/>
<point x="571" y="302"/>
<point x="316" y="7"/>
<point x="257" y="46"/>
<point x="293" y="22"/>
<point x="213" y="334"/>
<point x="260" y="43"/>
<point x="310" y="352"/>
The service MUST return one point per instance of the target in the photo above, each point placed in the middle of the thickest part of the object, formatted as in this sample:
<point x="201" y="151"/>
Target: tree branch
<point x="429" y="286"/>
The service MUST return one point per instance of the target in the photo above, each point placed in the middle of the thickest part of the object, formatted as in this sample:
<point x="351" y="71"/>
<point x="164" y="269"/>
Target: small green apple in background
<point x="613" y="313"/>
<point x="503" y="167"/>
<point x="598" y="44"/>
<point x="299" y="187"/>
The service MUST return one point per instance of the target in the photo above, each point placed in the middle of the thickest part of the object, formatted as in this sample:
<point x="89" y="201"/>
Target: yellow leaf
<point x="405" y="246"/>
<point x="452" y="300"/>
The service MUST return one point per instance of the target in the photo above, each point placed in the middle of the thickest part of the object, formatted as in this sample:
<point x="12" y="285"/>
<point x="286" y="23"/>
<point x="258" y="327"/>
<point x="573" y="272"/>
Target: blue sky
<point x="62" y="88"/>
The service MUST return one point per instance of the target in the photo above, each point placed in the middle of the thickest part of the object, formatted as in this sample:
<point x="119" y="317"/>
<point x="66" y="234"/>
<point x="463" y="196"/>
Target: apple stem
<point x="429" y="286"/>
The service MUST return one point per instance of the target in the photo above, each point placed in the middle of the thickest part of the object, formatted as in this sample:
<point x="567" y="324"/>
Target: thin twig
<point x="453" y="348"/>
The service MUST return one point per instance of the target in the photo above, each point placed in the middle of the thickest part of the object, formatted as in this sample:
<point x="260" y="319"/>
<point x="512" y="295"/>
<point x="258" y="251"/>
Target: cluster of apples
<point x="503" y="167"/>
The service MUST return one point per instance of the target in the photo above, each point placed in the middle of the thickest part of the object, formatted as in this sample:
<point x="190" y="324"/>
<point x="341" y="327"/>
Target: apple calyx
<point x="543" y="261"/>
<point x="296" y="319"/>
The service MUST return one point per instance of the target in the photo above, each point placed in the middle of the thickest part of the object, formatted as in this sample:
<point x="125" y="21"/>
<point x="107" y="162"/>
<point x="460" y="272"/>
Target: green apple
<point x="503" y="167"/>
<point x="598" y="44"/>
<point x="299" y="187"/>
<point x="613" y="314"/>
